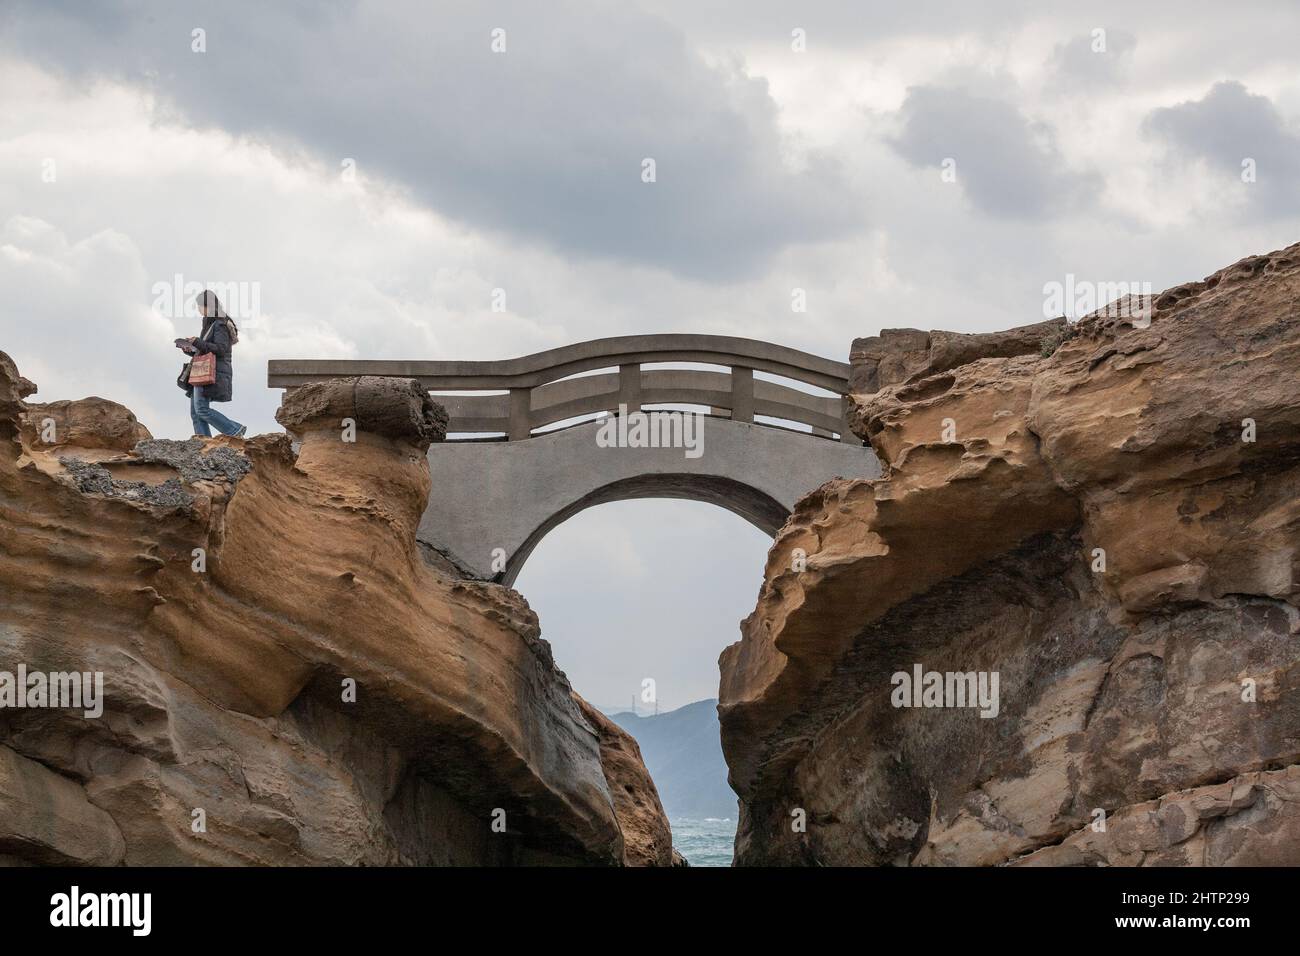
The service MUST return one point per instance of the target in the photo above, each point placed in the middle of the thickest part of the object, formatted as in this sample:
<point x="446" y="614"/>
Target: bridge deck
<point x="540" y="389"/>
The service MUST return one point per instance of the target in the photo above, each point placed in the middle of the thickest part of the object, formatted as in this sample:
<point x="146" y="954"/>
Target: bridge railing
<point x="538" y="390"/>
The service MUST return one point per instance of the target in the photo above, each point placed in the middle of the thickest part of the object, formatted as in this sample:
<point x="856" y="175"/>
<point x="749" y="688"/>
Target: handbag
<point x="203" y="369"/>
<point x="200" y="370"/>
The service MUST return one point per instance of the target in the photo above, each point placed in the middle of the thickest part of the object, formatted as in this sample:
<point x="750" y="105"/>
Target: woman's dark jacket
<point x="217" y="340"/>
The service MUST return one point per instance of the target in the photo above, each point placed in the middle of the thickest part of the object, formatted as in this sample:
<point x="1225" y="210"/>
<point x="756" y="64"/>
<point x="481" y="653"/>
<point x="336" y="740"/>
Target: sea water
<point x="704" y="841"/>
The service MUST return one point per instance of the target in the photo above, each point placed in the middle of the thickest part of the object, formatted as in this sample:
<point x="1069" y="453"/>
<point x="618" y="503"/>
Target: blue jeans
<point x="202" y="415"/>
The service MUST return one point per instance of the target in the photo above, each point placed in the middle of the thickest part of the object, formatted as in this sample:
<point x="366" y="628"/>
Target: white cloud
<point x="70" y="319"/>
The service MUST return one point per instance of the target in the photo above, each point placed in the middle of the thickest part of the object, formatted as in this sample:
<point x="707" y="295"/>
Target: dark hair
<point x="203" y="299"/>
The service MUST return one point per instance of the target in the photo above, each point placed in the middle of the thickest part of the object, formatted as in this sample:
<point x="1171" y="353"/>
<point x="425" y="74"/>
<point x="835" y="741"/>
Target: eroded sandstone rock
<point x="896" y="356"/>
<point x="232" y="593"/>
<point x="91" y="423"/>
<point x="647" y="841"/>
<point x="46" y="818"/>
<point x="1112" y="524"/>
<point x="1250" y="820"/>
<point x="391" y="407"/>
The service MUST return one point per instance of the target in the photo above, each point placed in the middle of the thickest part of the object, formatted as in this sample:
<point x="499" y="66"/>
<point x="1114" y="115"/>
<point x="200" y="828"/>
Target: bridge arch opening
<point x="756" y="507"/>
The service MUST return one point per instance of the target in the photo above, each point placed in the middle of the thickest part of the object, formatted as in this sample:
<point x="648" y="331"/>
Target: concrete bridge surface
<point x="753" y="446"/>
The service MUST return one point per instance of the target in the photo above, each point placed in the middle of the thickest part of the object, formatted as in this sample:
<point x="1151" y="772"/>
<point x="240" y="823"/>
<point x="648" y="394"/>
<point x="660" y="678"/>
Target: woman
<point x="216" y="337"/>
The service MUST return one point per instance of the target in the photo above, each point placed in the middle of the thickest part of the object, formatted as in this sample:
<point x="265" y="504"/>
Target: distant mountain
<point x="683" y="751"/>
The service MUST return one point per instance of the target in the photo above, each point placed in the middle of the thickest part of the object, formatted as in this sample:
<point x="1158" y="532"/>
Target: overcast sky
<point x="376" y="170"/>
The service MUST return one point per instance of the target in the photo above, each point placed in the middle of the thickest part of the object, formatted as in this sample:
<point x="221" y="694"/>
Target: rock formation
<point x="896" y="355"/>
<point x="286" y="679"/>
<point x="1106" y="516"/>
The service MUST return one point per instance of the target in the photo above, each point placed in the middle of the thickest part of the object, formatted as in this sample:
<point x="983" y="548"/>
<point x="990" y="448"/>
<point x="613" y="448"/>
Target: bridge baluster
<point x="521" y="407"/>
<point x="742" y="394"/>
<point x="629" y="387"/>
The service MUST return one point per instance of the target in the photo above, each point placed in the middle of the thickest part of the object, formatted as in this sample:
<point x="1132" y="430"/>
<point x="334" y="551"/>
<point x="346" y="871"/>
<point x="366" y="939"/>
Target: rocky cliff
<point x="286" y="680"/>
<point x="1096" y="524"/>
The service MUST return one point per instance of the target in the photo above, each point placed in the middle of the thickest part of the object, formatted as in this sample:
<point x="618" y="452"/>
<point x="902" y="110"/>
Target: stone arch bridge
<point x="519" y="460"/>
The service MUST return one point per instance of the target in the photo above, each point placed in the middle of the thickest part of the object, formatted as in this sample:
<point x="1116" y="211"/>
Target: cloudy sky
<point x="374" y="170"/>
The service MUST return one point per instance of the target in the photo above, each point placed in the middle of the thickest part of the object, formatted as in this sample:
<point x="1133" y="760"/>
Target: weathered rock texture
<point x="647" y="841"/>
<point x="226" y="682"/>
<point x="1111" y="523"/>
<point x="896" y="355"/>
